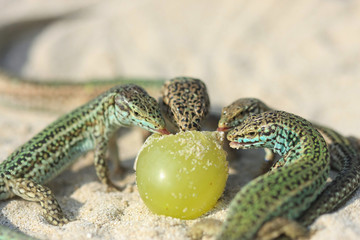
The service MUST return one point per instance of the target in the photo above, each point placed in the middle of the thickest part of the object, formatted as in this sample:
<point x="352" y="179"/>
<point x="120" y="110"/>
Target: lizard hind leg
<point x="269" y="161"/>
<point x="31" y="191"/>
<point x="113" y="155"/>
<point x="206" y="227"/>
<point x="282" y="228"/>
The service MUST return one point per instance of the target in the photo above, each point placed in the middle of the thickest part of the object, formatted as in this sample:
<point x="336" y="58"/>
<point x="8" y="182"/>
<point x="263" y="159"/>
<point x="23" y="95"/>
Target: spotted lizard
<point x="185" y="102"/>
<point x="88" y="127"/>
<point x="294" y="181"/>
<point x="344" y="155"/>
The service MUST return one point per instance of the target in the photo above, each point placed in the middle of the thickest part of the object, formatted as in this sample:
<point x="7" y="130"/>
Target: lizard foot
<point x="280" y="226"/>
<point x="56" y="219"/>
<point x="31" y="191"/>
<point x="206" y="227"/>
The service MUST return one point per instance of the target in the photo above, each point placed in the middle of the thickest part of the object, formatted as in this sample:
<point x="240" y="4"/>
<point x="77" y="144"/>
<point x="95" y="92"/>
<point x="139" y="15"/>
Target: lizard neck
<point x="293" y="137"/>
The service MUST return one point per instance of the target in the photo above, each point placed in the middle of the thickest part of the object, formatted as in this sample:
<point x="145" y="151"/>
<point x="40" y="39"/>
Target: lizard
<point x="185" y="102"/>
<point x="294" y="181"/>
<point x="86" y="128"/>
<point x="344" y="157"/>
<point x="60" y="97"/>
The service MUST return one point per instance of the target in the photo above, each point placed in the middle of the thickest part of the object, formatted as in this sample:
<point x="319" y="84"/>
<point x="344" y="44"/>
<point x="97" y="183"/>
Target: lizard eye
<point x="252" y="134"/>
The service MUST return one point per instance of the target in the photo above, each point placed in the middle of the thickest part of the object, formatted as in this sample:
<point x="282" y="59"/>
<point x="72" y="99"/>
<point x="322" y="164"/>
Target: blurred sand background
<point x="301" y="56"/>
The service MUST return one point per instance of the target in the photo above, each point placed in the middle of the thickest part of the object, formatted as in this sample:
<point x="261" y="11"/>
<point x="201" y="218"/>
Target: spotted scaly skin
<point x="346" y="182"/>
<point x="295" y="181"/>
<point x="62" y="142"/>
<point x="186" y="102"/>
<point x="344" y="157"/>
<point x="234" y="114"/>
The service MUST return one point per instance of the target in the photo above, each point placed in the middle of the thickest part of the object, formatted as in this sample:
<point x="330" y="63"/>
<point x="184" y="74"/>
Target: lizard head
<point x="186" y="102"/>
<point x="257" y="131"/>
<point x="133" y="106"/>
<point x="234" y="114"/>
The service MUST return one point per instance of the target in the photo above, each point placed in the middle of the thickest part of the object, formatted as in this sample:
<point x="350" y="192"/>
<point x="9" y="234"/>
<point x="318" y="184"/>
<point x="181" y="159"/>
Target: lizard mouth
<point x="223" y="129"/>
<point x="163" y="131"/>
<point x="238" y="145"/>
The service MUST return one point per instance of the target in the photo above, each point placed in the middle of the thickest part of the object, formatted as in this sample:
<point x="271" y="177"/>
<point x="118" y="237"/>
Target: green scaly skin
<point x="294" y="182"/>
<point x="344" y="157"/>
<point x="62" y="142"/>
<point x="346" y="183"/>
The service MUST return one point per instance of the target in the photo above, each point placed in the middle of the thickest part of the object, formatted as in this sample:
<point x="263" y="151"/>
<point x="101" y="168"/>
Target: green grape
<point x="182" y="175"/>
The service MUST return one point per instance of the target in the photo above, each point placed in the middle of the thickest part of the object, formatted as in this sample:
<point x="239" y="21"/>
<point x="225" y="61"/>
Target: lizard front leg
<point x="100" y="162"/>
<point x="113" y="155"/>
<point x="31" y="191"/>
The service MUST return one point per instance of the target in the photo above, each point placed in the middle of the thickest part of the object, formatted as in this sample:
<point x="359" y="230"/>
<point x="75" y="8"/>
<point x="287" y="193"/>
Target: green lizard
<point x="347" y="181"/>
<point x="344" y="157"/>
<point x="293" y="183"/>
<point x="58" y="145"/>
